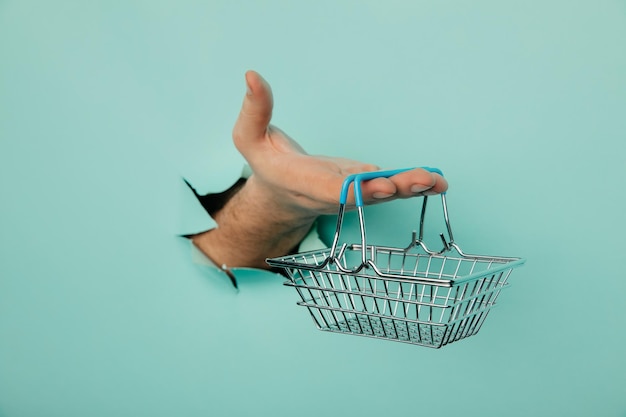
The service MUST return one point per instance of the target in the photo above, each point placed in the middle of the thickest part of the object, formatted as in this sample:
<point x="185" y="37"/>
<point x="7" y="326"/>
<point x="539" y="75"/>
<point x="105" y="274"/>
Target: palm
<point x="311" y="182"/>
<point x="306" y="183"/>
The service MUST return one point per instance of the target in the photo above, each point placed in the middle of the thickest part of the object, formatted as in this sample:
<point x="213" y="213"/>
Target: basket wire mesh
<point x="413" y="294"/>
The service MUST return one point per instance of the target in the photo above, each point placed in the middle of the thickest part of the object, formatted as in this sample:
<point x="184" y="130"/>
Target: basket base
<point x="423" y="334"/>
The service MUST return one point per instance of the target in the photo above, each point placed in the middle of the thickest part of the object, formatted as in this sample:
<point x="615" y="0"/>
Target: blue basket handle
<point x="364" y="176"/>
<point x="358" y="197"/>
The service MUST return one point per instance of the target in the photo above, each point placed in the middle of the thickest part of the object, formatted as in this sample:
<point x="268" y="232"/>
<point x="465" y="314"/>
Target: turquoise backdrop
<point x="104" y="104"/>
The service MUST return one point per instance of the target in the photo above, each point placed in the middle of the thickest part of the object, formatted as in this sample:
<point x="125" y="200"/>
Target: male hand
<point x="288" y="189"/>
<point x="305" y="183"/>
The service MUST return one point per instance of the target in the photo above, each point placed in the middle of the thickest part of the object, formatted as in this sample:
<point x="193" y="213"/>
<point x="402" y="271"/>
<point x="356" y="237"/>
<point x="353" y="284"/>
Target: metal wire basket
<point x="413" y="294"/>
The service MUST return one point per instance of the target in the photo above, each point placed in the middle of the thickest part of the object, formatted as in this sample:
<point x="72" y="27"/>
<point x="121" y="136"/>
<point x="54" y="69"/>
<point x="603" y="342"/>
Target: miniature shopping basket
<point x="413" y="294"/>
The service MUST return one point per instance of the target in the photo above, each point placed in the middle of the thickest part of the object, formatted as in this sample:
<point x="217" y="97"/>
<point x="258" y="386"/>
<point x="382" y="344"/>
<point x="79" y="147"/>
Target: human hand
<point x="288" y="189"/>
<point x="304" y="184"/>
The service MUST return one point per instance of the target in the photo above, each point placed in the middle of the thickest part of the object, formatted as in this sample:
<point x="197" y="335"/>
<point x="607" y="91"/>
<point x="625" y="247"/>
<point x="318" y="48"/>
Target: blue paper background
<point x="103" y="105"/>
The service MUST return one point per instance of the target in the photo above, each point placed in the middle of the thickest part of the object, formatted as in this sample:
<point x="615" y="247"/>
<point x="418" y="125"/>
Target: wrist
<point x="277" y="206"/>
<point x="256" y="223"/>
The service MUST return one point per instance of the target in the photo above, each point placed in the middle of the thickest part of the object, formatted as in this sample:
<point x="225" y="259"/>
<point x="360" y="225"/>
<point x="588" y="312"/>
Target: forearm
<point x="252" y="226"/>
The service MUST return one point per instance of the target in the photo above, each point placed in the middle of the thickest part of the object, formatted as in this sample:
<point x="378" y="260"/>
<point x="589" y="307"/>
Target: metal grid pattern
<point x="413" y="295"/>
<point x="399" y="306"/>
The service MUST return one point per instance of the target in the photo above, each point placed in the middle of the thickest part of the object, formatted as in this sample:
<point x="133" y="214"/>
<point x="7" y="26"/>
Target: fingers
<point x="416" y="182"/>
<point x="255" y="115"/>
<point x="419" y="182"/>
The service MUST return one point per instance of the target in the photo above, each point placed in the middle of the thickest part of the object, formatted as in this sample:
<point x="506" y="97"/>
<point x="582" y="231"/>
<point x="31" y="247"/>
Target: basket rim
<point x="504" y="263"/>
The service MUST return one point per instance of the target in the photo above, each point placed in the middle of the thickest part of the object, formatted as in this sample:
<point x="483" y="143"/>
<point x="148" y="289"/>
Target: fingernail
<point x="382" y="195"/>
<point x="416" y="188"/>
<point x="248" y="89"/>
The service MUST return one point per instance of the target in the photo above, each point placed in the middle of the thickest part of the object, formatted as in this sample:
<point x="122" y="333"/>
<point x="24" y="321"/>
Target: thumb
<point x="255" y="115"/>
